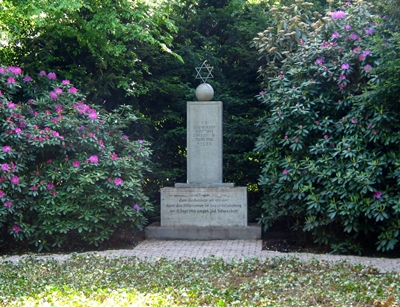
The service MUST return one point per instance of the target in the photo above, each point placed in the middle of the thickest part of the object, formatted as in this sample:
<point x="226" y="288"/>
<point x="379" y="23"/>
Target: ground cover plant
<point x="330" y="132"/>
<point x="66" y="167"/>
<point x="90" y="280"/>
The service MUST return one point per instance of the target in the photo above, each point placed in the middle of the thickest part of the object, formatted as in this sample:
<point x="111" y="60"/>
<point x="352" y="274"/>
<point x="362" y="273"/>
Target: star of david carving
<point x="204" y="72"/>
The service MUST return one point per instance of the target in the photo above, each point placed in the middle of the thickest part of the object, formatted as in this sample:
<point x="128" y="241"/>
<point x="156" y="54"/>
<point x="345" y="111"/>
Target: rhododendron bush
<point x="66" y="167"/>
<point x="330" y="134"/>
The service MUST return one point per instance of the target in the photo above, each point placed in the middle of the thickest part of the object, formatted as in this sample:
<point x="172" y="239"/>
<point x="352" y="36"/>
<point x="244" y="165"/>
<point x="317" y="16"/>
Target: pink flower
<point x="11" y="105"/>
<point x="286" y="171"/>
<point x="345" y="66"/>
<point x="367" y="68"/>
<point x="2" y="194"/>
<point x="5" y="167"/>
<point x="326" y="136"/>
<point x="14" y="180"/>
<point x="8" y="204"/>
<point x="72" y="90"/>
<point x="369" y="31"/>
<point x="118" y="181"/>
<point x="2" y="70"/>
<point x="18" y="131"/>
<point x="81" y="107"/>
<point x="342" y="86"/>
<point x="320" y="61"/>
<point x="378" y="194"/>
<point x="59" y="108"/>
<point x="342" y="77"/>
<point x="367" y="52"/>
<point x="53" y="95"/>
<point x="27" y="79"/>
<point x="54" y="193"/>
<point x="296" y="140"/>
<point x="76" y="164"/>
<point x="11" y="80"/>
<point x="354" y="120"/>
<point x="347" y="27"/>
<point x="136" y="207"/>
<point x="280" y="76"/>
<point x="42" y="73"/>
<point x="92" y="114"/>
<point x="262" y="92"/>
<point x="58" y="90"/>
<point x="286" y="137"/>
<point x="50" y="186"/>
<point x="15" y="70"/>
<point x="93" y="159"/>
<point x="353" y="36"/>
<point x="33" y="188"/>
<point x="51" y="76"/>
<point x="338" y="15"/>
<point x="114" y="157"/>
<point x="335" y="35"/>
<point x="13" y="166"/>
<point x="56" y="134"/>
<point x="65" y="82"/>
<point x="16" y="228"/>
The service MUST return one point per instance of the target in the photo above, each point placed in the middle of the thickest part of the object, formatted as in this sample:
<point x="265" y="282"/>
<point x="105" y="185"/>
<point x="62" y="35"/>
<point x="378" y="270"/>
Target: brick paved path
<point x="233" y="249"/>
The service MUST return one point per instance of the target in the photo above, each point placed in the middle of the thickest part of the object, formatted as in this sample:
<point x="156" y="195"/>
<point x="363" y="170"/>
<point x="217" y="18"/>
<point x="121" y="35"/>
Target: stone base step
<point x="155" y="231"/>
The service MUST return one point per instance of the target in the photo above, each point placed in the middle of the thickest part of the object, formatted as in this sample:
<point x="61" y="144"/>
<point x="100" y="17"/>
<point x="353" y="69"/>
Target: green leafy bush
<point x="66" y="167"/>
<point x="330" y="136"/>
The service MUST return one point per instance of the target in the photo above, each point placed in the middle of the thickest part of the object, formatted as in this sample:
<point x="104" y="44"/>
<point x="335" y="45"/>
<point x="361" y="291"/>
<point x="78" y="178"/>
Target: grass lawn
<point x="90" y="280"/>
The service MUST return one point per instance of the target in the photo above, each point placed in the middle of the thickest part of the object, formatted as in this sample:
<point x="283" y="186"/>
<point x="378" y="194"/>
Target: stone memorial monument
<point x="204" y="208"/>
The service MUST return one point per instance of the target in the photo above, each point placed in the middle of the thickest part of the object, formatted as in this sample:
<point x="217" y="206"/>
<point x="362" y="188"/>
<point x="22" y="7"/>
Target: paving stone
<point x="226" y="249"/>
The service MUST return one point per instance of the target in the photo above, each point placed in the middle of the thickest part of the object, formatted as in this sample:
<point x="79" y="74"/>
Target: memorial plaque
<point x="204" y="140"/>
<point x="204" y="207"/>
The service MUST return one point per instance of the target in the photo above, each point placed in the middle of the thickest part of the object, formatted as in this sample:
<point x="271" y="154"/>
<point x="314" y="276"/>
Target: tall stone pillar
<point x="204" y="208"/>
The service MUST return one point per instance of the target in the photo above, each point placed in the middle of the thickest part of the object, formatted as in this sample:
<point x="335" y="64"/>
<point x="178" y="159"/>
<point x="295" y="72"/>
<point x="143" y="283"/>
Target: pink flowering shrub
<point x="57" y="154"/>
<point x="330" y="137"/>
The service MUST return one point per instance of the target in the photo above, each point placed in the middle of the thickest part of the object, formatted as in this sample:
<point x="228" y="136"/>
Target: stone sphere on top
<point x="204" y="92"/>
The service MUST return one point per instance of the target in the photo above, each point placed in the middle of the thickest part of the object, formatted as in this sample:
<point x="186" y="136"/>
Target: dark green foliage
<point x="330" y="137"/>
<point x="99" y="43"/>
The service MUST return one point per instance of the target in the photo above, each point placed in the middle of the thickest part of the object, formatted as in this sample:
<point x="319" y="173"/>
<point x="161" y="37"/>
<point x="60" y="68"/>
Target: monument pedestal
<point x="204" y="208"/>
<point x="158" y="232"/>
